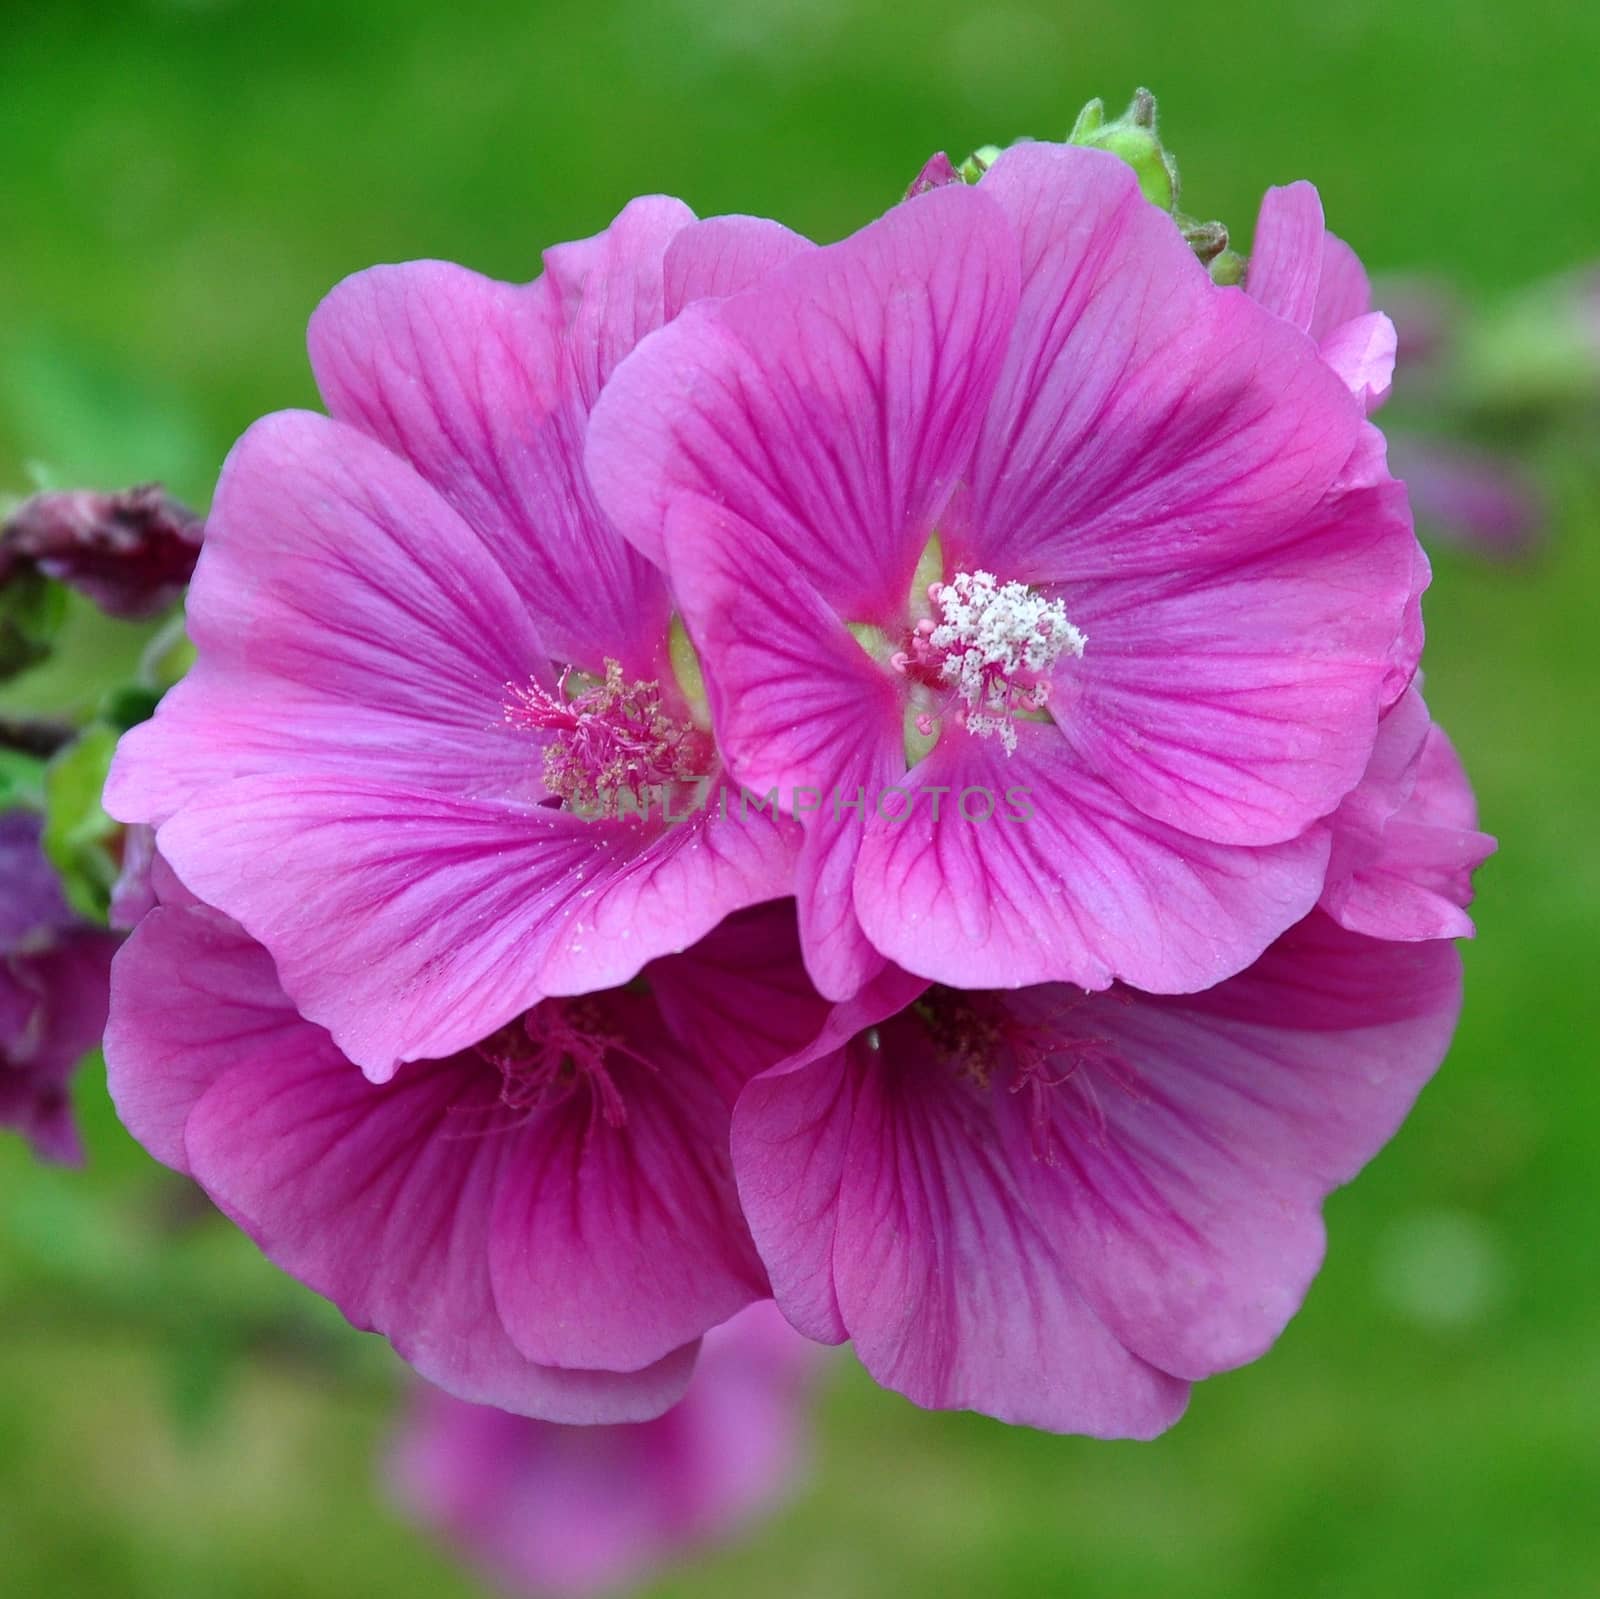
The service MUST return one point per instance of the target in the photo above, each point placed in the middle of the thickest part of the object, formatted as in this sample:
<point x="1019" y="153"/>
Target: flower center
<point x="554" y="1050"/>
<point x="982" y="1037"/>
<point x="991" y="646"/>
<point x="614" y="746"/>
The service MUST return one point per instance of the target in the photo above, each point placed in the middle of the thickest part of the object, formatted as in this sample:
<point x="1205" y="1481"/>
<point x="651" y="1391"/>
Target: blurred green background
<point x="183" y="180"/>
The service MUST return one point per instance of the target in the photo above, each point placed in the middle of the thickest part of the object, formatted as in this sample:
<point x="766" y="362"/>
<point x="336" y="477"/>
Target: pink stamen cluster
<point x="614" y="741"/>
<point x="549" y="1053"/>
<point x="992" y="646"/>
<point x="977" y="1035"/>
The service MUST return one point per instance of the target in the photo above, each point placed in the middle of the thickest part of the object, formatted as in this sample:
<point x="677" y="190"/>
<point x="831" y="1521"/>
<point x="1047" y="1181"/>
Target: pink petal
<point x="1145" y="420"/>
<point x="791" y="1131"/>
<point x="378" y="1198"/>
<point x="1192" y="1141"/>
<point x="832" y="407"/>
<point x="1343" y="291"/>
<point x="803" y="715"/>
<point x="412" y="925"/>
<point x="740" y="1000"/>
<point x="952" y="1291"/>
<point x="791" y="1134"/>
<point x="1404" y="870"/>
<point x="613" y="287"/>
<point x="1066" y="882"/>
<point x="723" y="255"/>
<point x="1286" y="253"/>
<point x="345" y="619"/>
<point x="466" y="378"/>
<point x="614" y="1245"/>
<point x="1362" y="352"/>
<point x="190" y="995"/>
<point x="1240" y="703"/>
<point x="937" y="171"/>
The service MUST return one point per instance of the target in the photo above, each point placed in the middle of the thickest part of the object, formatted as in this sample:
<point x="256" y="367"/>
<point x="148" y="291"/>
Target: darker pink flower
<point x="1062" y="1208"/>
<point x="544" y="1220"/>
<point x="131" y="552"/>
<point x="544" y="1509"/>
<point x="54" y="978"/>
<point x="437" y="717"/>
<point x="1002" y="495"/>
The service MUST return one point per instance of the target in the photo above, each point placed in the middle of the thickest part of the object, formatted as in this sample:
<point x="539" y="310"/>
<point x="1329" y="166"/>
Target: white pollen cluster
<point x="992" y="633"/>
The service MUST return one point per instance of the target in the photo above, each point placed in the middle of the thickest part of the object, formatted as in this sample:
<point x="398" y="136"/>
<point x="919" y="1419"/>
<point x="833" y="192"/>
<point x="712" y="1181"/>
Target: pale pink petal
<point x="1145" y="420"/>
<point x="1362" y="352"/>
<point x="346" y="619"/>
<point x="1065" y="881"/>
<point x="832" y="407"/>
<point x="1181" y="1159"/>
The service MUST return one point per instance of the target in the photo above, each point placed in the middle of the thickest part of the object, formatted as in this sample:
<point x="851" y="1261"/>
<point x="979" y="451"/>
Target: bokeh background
<point x="182" y="180"/>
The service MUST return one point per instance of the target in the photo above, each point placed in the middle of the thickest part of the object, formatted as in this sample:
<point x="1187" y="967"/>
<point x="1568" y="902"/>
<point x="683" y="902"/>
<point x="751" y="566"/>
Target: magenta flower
<point x="1001" y="502"/>
<point x="1314" y="280"/>
<point x="544" y="1220"/>
<point x="1062" y="1208"/>
<point x="54" y="978"/>
<point x="544" y="1509"/>
<point x="427" y="751"/>
<point x="1406" y="839"/>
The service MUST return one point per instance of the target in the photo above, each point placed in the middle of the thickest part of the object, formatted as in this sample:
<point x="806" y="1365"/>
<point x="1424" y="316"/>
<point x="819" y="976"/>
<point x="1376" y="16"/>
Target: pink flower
<point x="571" y="1511"/>
<point x="425" y="753"/>
<point x="1062" y="1208"/>
<point x="544" y="1220"/>
<point x="54" y="977"/>
<point x="1002" y="495"/>
<point x="1310" y="278"/>
<point x="1406" y="839"/>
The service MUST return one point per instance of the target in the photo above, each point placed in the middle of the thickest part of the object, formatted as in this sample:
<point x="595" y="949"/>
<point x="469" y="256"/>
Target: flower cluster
<point x="1006" y="492"/>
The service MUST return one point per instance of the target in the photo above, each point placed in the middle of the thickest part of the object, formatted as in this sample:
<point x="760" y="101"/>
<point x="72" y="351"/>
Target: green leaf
<point x="21" y="782"/>
<point x="77" y="831"/>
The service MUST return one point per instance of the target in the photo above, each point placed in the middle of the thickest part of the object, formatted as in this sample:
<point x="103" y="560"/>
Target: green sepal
<point x="1227" y="269"/>
<point x="1132" y="136"/>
